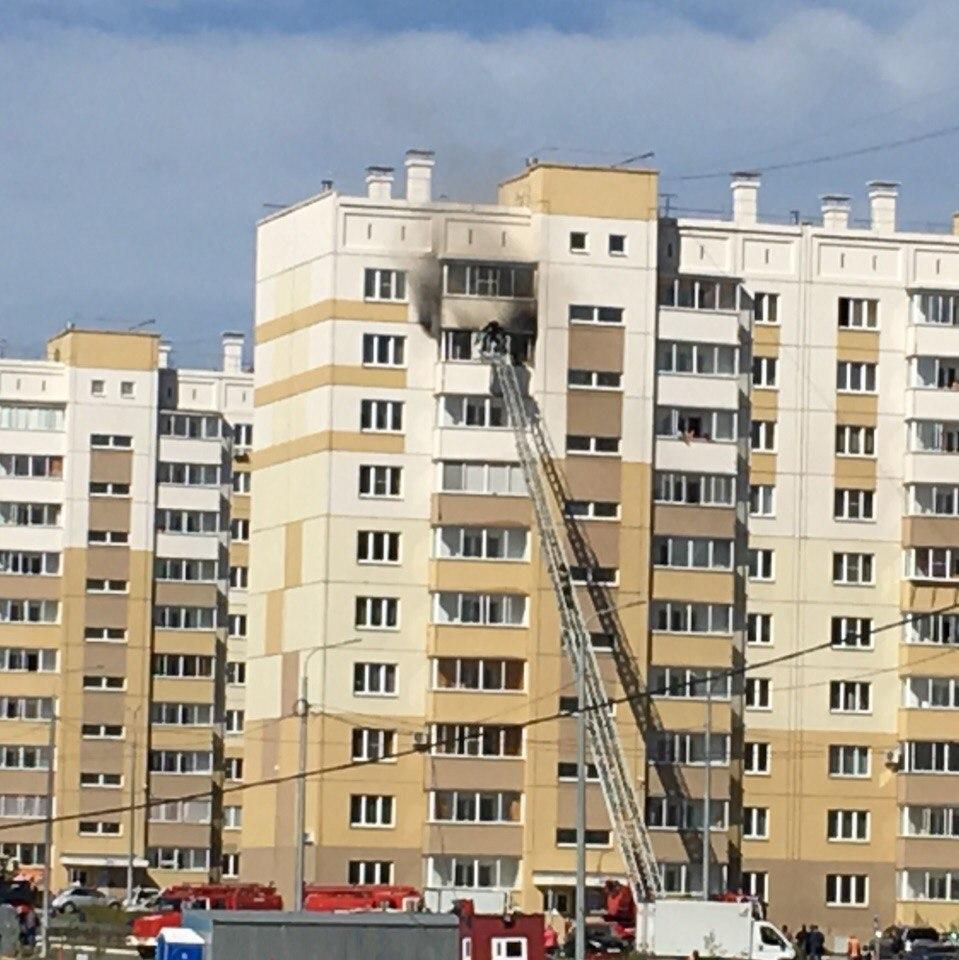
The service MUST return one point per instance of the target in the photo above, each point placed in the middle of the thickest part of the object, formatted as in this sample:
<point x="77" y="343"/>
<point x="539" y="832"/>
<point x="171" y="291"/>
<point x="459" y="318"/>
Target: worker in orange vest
<point x="854" y="948"/>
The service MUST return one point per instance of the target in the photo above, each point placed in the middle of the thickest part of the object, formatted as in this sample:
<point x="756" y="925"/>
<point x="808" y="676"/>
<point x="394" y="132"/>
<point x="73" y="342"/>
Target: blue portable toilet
<point x="179" y="943"/>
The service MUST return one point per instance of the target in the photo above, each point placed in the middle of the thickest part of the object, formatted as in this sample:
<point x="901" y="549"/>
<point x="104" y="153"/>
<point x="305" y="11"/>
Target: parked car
<point x="75" y="899"/>
<point x="142" y="898"/>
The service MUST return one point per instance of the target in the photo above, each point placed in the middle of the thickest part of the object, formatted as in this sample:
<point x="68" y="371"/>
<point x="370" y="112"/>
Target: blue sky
<point x="139" y="141"/>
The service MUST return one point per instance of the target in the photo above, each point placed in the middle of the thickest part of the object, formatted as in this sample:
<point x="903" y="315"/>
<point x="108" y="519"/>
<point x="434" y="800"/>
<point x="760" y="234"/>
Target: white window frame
<point x="762" y="564"/>
<point x="384" y="285"/>
<point x="698" y="359"/>
<point x="485" y="605"/>
<point x="375" y="476"/>
<point x="579" y="242"/>
<point x="372" y="811"/>
<point x="580" y="379"/>
<point x="860" y="313"/>
<point x="850" y="697"/>
<point x="854" y="562"/>
<point x="375" y="679"/>
<point x="373" y="411"/>
<point x="841" y="756"/>
<point x="756" y="823"/>
<point x="847" y="628"/>
<point x="765" y="372"/>
<point x="762" y="500"/>
<point x="386" y="350"/>
<point x="763" y="436"/>
<point x="369" y="609"/>
<point x="699" y="489"/>
<point x="854" y="505"/>
<point x="858" y="890"/>
<point x="759" y="629"/>
<point x="766" y="308"/>
<point x="385" y="751"/>
<point x="844" y="826"/>
<point x="855" y="440"/>
<point x="378" y="547"/>
<point x="758" y="693"/>
<point x="857" y="376"/>
<point x="757" y="758"/>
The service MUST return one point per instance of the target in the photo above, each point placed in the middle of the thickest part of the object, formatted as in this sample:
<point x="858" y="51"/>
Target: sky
<point x="140" y="140"/>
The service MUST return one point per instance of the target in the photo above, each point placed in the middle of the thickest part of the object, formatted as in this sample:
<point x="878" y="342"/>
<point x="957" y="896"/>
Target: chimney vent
<point x="163" y="354"/>
<point x="379" y="183"/>
<point x="326" y="186"/>
<point x="955" y="224"/>
<point x="419" y="175"/>
<point x="232" y="352"/>
<point x="745" y="187"/>
<point x="835" y="211"/>
<point x="882" y="205"/>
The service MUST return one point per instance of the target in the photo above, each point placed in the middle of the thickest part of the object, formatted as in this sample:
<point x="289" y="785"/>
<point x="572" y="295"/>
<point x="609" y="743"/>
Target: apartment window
<point x="181" y="811"/>
<point x="467" y="345"/>
<point x="680" y="813"/>
<point x="471" y="410"/>
<point x="703" y="489"/>
<point x="850" y="696"/>
<point x="848" y="760"/>
<point x="568" y="770"/>
<point x="25" y="465"/>
<point x="181" y="714"/>
<point x="566" y="837"/>
<point x="617" y="245"/>
<point x="371" y="810"/>
<point x="699" y="553"/>
<point x="381" y="416"/>
<point x="591" y="510"/>
<point x="851" y="633"/>
<point x="240" y="530"/>
<point x="932" y="563"/>
<point x="236" y="673"/>
<point x="594" y="576"/>
<point x="384" y="350"/>
<point x="232" y="818"/>
<point x="933" y="436"/>
<point x="759" y="628"/>
<point x="384" y="284"/>
<point x="855" y="441"/>
<point x="847" y="890"/>
<point x="853" y="376"/>
<point x="854" y="505"/>
<point x="758" y="693"/>
<point x="19" y="757"/>
<point x="106" y="441"/>
<point x="688" y="748"/>
<point x="765" y="371"/>
<point x="105" y="634"/>
<point x="479" y="674"/>
<point x="766" y="308"/>
<point x="371" y="744"/>
<point x="23" y="660"/>
<point x="930" y="693"/>
<point x="480" y="609"/>
<point x="233" y="767"/>
<point x="101" y="731"/>
<point x="108" y="538"/>
<point x="377" y="613"/>
<point x="755" y="823"/>
<point x="578" y="242"/>
<point x="241" y="481"/>
<point x="188" y="521"/>
<point x="29" y="563"/>
<point x="374" y="679"/>
<point x="481" y="543"/>
<point x="98" y="388"/>
<point x="939" y="308"/>
<point x="182" y="665"/>
<point x="676" y="616"/>
<point x="703" y="359"/>
<point x="762" y="565"/>
<point x="231" y="865"/>
<point x="102" y="682"/>
<point x="377" y="546"/>
<point x="931" y="756"/>
<point x="173" y="568"/>
<point x="477" y="740"/>
<point x="595" y="446"/>
<point x="699" y="293"/>
<point x="98" y="828"/>
<point x="689" y="424"/>
<point x="107" y="781"/>
<point x="378" y="480"/>
<point x="756" y="757"/>
<point x="190" y="426"/>
<point x="26" y="708"/>
<point x="26" y="854"/>
<point x="189" y="474"/>
<point x="848" y="825"/>
<point x="184" y="618"/>
<point x="489" y="280"/>
<point x="856" y="313"/>
<point x="762" y="435"/>
<point x="762" y="500"/>
<point x="930" y="822"/>
<point x="457" y="476"/>
<point x="29" y="611"/>
<point x="594" y="379"/>
<point x="755" y="883"/>
<point x="29" y="514"/>
<point x="583" y="313"/>
<point x="689" y="683"/>
<point x="475" y="806"/>
<point x="938" y="628"/>
<point x="242" y="435"/>
<point x="16" y="416"/>
<point x="105" y="489"/>
<point x="239" y="577"/>
<point x="181" y="761"/>
<point x="855" y="569"/>
<point x="234" y="721"/>
<point x="187" y="859"/>
<point x="369" y="872"/>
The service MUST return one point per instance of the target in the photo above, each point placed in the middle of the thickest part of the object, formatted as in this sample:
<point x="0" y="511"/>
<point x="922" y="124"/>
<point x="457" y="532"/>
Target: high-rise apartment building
<point x="124" y="492"/>
<point x="758" y="425"/>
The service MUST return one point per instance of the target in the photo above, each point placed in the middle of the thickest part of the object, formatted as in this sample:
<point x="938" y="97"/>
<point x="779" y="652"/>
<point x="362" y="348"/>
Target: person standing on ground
<point x="815" y="943"/>
<point x="854" y="948"/>
<point x="801" y="935"/>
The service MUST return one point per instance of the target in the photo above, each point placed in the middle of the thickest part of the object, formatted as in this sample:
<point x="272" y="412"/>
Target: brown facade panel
<point x="466" y="509"/>
<point x="701" y="585"/>
<point x="172" y="785"/>
<point x="931" y="853"/>
<point x="930" y="532"/>
<point x="694" y="521"/>
<point x="103" y="707"/>
<point x="591" y="349"/>
<point x="857" y="345"/>
<point x="602" y="539"/>
<point x="857" y="409"/>
<point x="179" y="834"/>
<point x="456" y="773"/>
<point x="856" y="471"/>
<point x="31" y="587"/>
<point x="108" y="563"/>
<point x="594" y="480"/>
<point x="932" y="789"/>
<point x="102" y="756"/>
<point x="594" y="413"/>
<point x="111" y="466"/>
<point x="109" y="513"/>
<point x="105" y="658"/>
<point x="23" y="781"/>
<point x="663" y="780"/>
<point x="675" y="846"/>
<point x="596" y="815"/>
<point x="103" y="611"/>
<point x="476" y="839"/>
<point x="172" y="593"/>
<point x="927" y="598"/>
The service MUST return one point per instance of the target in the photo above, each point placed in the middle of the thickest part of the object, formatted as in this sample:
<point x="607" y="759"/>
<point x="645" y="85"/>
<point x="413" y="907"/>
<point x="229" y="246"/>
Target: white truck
<point x="732" y="931"/>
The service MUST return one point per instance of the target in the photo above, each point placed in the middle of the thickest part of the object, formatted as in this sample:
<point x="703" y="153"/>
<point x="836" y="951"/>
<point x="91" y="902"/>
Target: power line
<point x="427" y="746"/>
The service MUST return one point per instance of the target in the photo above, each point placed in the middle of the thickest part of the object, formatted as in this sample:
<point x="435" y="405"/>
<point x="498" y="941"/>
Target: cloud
<point x="133" y="164"/>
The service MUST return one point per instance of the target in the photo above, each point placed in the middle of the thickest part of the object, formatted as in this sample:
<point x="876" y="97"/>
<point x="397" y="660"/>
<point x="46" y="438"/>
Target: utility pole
<point x="48" y="838"/>
<point x="706" y="771"/>
<point x="581" y="808"/>
<point x="132" y="826"/>
<point x="303" y="709"/>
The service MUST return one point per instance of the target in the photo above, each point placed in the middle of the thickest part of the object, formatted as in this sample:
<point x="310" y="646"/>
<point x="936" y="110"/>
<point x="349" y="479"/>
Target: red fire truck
<point x="330" y="898"/>
<point x="201" y="896"/>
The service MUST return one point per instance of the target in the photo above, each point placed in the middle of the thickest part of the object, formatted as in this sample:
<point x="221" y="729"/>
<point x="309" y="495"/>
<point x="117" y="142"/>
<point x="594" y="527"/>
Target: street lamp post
<point x="581" y="783"/>
<point x="302" y="710"/>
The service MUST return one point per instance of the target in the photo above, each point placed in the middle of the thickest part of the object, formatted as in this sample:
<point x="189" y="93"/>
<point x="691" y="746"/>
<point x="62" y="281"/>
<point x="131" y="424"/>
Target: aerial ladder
<point x="536" y="453"/>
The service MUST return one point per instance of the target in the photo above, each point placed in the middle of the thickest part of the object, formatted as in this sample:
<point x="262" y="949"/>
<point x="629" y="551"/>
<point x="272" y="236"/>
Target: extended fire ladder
<point x="626" y="816"/>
